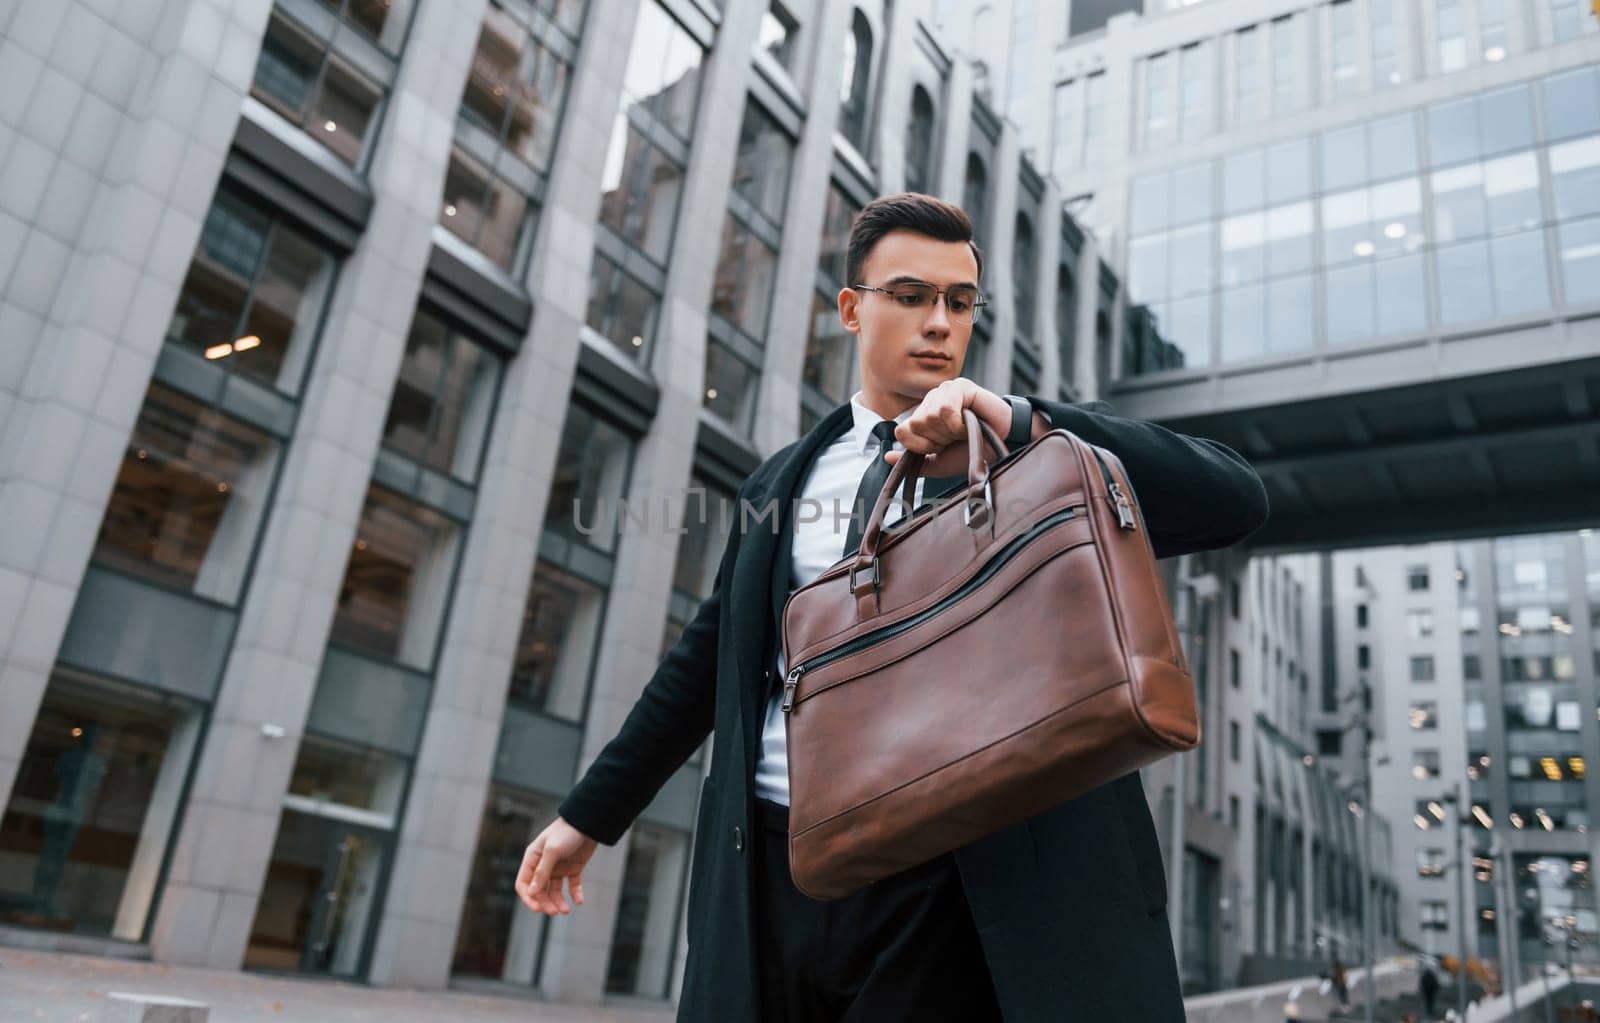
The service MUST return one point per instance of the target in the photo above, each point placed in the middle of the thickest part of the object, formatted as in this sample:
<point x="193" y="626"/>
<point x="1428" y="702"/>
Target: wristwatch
<point x="1021" y="422"/>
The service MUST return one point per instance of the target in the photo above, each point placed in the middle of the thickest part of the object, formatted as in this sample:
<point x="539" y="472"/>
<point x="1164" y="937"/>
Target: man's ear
<point x="849" y="310"/>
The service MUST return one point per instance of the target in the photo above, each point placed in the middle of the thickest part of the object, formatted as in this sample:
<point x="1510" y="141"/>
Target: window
<point x="663" y="72"/>
<point x="620" y="306"/>
<point x="1234" y="600"/>
<point x="253" y="297"/>
<point x="778" y="35"/>
<point x="189" y="499"/>
<point x="1266" y="251"/>
<point x="321" y="864"/>
<point x="1475" y="716"/>
<point x="1430" y="862"/>
<point x="1492" y="29"/>
<point x="397" y="580"/>
<point x="1285" y="65"/>
<point x="1434" y="915"/>
<point x="555" y="653"/>
<point x="1067" y="133"/>
<point x="505" y="133"/>
<point x="1417" y="578"/>
<point x="1572" y="20"/>
<point x="1424" y="716"/>
<point x="1471" y="668"/>
<point x="1342" y="23"/>
<point x="93" y="807"/>
<point x="1248" y="94"/>
<point x="1451" y="35"/>
<point x="1419" y="624"/>
<point x="1160" y="127"/>
<point x="975" y="197"/>
<point x="643" y="178"/>
<point x="1233" y="812"/>
<point x="742" y="286"/>
<point x="444" y="398"/>
<point x="1361" y="616"/>
<point x="1233" y="741"/>
<point x="830" y="350"/>
<point x="1422" y="669"/>
<point x="1094" y="105"/>
<point x="647" y="912"/>
<point x="319" y="85"/>
<point x="1424" y="764"/>
<point x="1024" y="266"/>
<point x="919" y="142"/>
<point x="1234" y="671"/>
<point x="1330" y="742"/>
<point x="708" y="521"/>
<point x="498" y="938"/>
<point x="641" y="186"/>
<point x="1363" y="656"/>
<point x="1194" y="97"/>
<point x="590" y="474"/>
<point x="856" y="82"/>
<point x="1066" y="320"/>
<point x="1387" y="68"/>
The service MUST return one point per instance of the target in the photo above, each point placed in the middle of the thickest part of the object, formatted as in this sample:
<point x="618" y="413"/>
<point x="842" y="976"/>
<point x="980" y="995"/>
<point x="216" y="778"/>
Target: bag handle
<point x="906" y="469"/>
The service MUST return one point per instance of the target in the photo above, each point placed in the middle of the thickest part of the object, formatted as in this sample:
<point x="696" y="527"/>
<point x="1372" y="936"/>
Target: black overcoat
<point x="1070" y="904"/>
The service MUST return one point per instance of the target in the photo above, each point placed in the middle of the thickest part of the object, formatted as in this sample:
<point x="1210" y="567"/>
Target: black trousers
<point x="899" y="949"/>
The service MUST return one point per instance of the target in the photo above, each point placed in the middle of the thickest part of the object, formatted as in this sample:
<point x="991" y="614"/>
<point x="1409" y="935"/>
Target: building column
<point x="778" y="405"/>
<point x="113" y="130"/>
<point x="450" y="781"/>
<point x="578" y="948"/>
<point x="220" y="858"/>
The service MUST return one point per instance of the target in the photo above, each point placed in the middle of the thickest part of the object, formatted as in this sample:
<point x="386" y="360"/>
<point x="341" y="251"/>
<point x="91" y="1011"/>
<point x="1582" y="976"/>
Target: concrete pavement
<point x="60" y="988"/>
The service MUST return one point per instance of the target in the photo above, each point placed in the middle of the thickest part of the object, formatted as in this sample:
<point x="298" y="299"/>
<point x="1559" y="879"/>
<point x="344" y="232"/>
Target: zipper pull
<point x="789" y="686"/>
<point x="1124" y="509"/>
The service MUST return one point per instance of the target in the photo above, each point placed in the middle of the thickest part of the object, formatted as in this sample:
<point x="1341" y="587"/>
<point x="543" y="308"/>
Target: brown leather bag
<point x="976" y="663"/>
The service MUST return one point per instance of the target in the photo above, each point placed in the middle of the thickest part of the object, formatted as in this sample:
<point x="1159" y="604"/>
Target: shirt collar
<point x="865" y="420"/>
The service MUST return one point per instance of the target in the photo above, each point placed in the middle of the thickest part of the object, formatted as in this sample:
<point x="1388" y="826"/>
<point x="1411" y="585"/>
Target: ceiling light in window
<point x="221" y="351"/>
<point x="1395" y="229"/>
<point x="711" y="394"/>
<point x="222" y="488"/>
<point x="77" y="733"/>
<point x="246" y="343"/>
<point x="329" y="126"/>
<point x="1494" y="53"/>
<point x="638" y="342"/>
<point x="449" y="209"/>
<point x="1365" y="248"/>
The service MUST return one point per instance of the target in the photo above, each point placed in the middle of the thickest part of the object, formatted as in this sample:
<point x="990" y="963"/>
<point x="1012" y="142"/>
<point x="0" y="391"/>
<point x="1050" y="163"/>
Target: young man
<point x="1061" y="917"/>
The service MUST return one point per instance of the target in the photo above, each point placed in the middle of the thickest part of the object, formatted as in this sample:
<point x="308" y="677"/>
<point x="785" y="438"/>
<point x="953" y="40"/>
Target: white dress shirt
<point x="819" y="543"/>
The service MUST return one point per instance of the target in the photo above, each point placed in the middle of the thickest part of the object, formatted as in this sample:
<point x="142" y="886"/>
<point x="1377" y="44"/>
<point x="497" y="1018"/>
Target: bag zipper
<point x="1011" y="549"/>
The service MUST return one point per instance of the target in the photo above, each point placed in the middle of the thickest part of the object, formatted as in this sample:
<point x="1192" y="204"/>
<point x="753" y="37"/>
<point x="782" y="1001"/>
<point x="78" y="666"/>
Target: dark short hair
<point x="909" y="211"/>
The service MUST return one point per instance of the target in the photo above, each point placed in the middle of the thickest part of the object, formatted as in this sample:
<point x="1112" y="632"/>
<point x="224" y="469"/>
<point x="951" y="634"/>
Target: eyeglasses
<point x="960" y="300"/>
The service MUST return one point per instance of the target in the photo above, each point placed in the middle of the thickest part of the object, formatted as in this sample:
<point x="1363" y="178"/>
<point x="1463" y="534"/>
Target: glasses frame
<point x="978" y="300"/>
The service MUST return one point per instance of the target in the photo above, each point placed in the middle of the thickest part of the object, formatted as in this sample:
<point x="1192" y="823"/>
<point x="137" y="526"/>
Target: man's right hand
<point x="560" y="851"/>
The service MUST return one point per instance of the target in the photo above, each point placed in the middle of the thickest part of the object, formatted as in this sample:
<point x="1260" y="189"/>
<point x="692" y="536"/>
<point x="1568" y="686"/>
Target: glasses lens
<point x="912" y="296"/>
<point x="961" y="301"/>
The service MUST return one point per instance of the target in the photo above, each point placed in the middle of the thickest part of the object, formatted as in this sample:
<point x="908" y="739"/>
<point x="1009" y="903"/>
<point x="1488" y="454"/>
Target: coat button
<point x="738" y="839"/>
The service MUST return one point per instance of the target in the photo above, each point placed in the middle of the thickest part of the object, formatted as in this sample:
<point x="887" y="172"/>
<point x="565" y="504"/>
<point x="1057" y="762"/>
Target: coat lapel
<point x="762" y="575"/>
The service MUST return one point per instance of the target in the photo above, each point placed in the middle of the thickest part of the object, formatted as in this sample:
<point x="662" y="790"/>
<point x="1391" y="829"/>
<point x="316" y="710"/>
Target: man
<point x="1061" y="917"/>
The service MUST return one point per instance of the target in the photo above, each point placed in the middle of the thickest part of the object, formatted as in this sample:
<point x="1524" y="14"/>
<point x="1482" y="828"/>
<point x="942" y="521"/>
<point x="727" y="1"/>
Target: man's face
<point x="904" y="352"/>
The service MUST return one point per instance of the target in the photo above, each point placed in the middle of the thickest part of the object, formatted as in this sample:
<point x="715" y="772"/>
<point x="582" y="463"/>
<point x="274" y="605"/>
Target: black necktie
<point x="871" y="486"/>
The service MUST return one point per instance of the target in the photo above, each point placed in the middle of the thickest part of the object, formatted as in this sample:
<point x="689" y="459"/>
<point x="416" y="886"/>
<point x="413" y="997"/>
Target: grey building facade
<point x="1484" y="655"/>
<point x="332" y="332"/>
